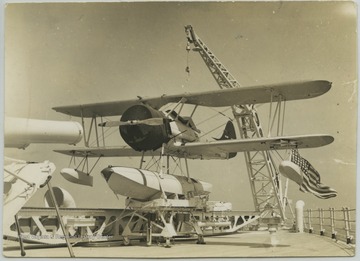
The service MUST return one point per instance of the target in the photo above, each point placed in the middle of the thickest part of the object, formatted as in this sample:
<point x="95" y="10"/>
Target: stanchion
<point x="47" y="182"/>
<point x="23" y="253"/>
<point x="299" y="210"/>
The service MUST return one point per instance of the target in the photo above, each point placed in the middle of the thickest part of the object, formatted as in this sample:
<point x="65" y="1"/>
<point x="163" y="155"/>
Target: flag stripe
<point x="317" y="189"/>
<point x="311" y="178"/>
<point x="306" y="189"/>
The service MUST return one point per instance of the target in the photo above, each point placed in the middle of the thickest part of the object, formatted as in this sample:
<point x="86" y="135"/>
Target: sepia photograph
<point x="182" y="129"/>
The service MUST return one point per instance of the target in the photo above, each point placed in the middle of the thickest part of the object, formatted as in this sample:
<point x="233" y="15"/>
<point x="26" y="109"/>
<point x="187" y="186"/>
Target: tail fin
<point x="229" y="134"/>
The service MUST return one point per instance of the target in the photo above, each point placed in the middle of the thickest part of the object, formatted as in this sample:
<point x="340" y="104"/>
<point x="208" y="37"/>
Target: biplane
<point x="147" y="129"/>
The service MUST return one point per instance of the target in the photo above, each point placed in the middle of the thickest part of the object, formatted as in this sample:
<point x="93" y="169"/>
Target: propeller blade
<point x="110" y="124"/>
<point x="150" y="121"/>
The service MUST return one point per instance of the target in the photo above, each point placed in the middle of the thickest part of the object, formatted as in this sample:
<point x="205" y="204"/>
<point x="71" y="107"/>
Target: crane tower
<point x="263" y="174"/>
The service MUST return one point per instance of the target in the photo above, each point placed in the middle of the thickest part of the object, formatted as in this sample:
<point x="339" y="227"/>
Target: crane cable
<point x="188" y="48"/>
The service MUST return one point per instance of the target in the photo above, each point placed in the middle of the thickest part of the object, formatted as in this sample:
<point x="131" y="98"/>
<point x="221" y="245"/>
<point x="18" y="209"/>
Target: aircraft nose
<point x="107" y="172"/>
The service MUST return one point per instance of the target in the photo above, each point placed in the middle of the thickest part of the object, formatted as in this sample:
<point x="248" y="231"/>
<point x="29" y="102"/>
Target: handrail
<point x="335" y="223"/>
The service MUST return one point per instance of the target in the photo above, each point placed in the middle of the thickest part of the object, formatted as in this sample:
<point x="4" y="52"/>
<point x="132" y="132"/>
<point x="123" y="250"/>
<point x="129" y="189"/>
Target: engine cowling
<point x="142" y="137"/>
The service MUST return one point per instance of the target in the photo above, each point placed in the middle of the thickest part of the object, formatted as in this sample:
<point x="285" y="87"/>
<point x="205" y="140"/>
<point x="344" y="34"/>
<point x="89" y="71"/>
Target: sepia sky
<point x="72" y="53"/>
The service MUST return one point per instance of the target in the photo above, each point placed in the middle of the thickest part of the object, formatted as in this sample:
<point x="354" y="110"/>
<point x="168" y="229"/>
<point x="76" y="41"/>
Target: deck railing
<point x="338" y="224"/>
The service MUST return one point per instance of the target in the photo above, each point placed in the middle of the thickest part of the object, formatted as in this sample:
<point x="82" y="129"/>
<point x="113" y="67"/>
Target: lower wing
<point x="95" y="152"/>
<point x="224" y="148"/>
<point x="220" y="149"/>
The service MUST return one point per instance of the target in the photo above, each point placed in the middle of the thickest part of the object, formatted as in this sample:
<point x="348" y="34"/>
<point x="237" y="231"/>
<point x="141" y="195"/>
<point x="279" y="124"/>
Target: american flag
<point x="311" y="178"/>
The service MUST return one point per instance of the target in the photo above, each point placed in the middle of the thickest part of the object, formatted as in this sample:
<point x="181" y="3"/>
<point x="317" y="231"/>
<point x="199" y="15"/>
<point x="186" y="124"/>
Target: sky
<point x="76" y="53"/>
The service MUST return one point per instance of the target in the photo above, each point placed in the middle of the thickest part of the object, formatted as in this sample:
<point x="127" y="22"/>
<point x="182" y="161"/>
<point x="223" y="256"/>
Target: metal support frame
<point x="161" y="227"/>
<point x="89" y="225"/>
<point x="263" y="175"/>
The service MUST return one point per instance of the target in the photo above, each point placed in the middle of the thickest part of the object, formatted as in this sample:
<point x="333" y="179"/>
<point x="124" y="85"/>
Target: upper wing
<point x="219" y="98"/>
<point x="211" y="150"/>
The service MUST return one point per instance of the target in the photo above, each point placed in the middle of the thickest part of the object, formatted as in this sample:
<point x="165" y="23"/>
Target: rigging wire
<point x="187" y="68"/>
<point x="222" y="113"/>
<point x="153" y="162"/>
<point x="178" y="166"/>
<point x="214" y="129"/>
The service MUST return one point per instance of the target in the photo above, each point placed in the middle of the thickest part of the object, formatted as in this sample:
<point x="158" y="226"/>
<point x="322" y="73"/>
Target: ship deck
<point x="241" y="244"/>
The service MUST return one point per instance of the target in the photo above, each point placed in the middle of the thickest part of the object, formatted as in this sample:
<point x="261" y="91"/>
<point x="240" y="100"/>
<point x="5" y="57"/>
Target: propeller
<point x="150" y="121"/>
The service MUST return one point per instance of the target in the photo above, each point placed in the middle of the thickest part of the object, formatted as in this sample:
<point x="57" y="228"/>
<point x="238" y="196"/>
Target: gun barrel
<point x="21" y="132"/>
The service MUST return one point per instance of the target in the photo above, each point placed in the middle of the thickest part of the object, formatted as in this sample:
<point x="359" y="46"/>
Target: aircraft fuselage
<point x="143" y="137"/>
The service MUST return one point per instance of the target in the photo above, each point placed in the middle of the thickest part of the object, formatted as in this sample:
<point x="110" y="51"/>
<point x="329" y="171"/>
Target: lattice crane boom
<point x="264" y="176"/>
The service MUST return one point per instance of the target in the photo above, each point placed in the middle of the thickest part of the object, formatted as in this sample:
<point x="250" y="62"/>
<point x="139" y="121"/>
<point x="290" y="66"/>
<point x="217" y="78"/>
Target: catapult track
<point x="41" y="225"/>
